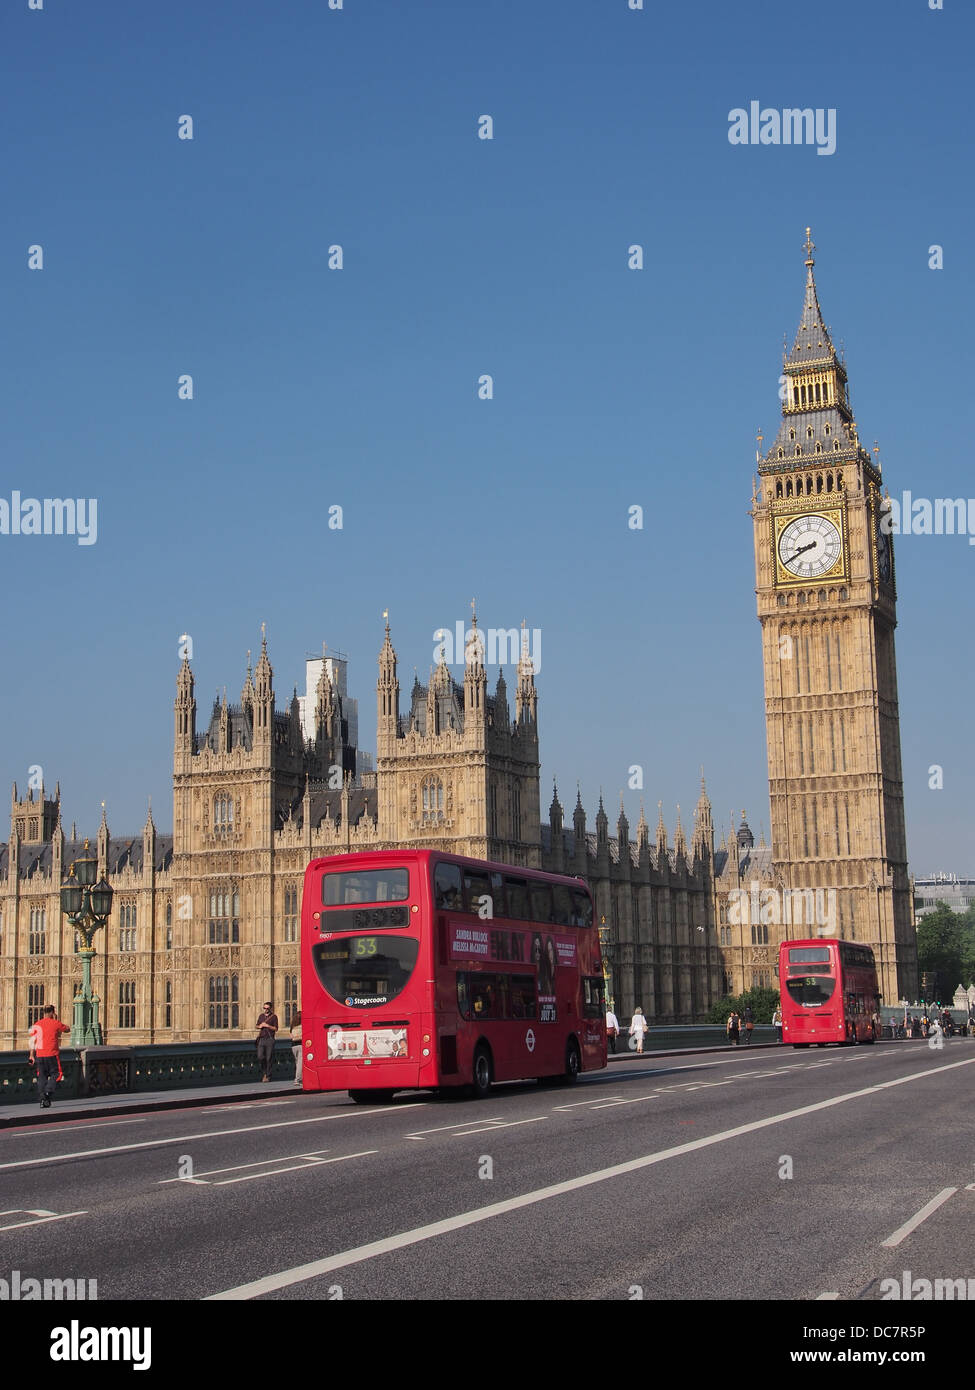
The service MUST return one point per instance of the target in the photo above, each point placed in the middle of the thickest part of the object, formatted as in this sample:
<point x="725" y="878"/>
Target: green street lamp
<point x="607" y="973"/>
<point x="87" y="906"/>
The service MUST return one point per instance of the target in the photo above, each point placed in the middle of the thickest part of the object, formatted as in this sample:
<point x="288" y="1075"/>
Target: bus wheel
<point x="573" y="1064"/>
<point x="371" y="1097"/>
<point x="481" y="1077"/>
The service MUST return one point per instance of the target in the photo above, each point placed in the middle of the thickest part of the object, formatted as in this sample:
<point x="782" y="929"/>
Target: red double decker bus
<point x="829" y="992"/>
<point x="423" y="969"/>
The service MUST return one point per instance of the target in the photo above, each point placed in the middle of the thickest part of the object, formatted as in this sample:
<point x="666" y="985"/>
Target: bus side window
<point x="477" y="886"/>
<point x="516" y="890"/>
<point x="562" y="904"/>
<point x="463" y="996"/>
<point x="581" y="908"/>
<point x="447" y="888"/>
<point x="541" y="902"/>
<point x="498" y="905"/>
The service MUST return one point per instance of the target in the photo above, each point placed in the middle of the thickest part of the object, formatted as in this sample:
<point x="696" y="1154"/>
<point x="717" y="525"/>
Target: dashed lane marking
<point x="508" y="1124"/>
<point x="40" y="1217"/>
<point x="316" y="1268"/>
<point x="904" y="1231"/>
<point x="313" y="1160"/>
<point x="208" y="1134"/>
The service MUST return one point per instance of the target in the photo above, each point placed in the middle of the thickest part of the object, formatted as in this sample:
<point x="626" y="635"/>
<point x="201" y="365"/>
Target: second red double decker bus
<point x="829" y="992"/>
<point x="423" y="969"/>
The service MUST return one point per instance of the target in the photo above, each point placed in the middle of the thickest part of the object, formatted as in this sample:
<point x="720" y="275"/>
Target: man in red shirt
<point x="44" y="1044"/>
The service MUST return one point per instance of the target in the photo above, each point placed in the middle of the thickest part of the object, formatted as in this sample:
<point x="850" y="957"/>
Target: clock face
<point x="810" y="546"/>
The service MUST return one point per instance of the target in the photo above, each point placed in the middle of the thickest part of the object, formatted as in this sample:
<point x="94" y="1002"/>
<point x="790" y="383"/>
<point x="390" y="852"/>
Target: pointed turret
<point x="185" y="708"/>
<point x="263" y="694"/>
<point x="556" y="817"/>
<point x="101" y="844"/>
<point x="475" y="678"/>
<point x="502" y="715"/>
<point x="702" y="846"/>
<point x="680" y="843"/>
<point x="526" y="696"/>
<point x="817" y="418"/>
<point x="149" y="843"/>
<point x="247" y="693"/>
<point x="662" y="855"/>
<point x="387" y="694"/>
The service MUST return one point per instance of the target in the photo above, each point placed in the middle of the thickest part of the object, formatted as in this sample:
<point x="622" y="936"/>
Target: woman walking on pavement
<point x="638" y="1027"/>
<point x="732" y="1027"/>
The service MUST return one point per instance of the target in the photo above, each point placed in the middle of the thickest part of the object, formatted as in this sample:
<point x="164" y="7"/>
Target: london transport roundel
<point x="530" y="1040"/>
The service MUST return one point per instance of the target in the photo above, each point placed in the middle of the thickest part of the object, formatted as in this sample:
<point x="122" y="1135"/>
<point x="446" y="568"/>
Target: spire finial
<point x="810" y="247"/>
<point x="474" y="613"/>
<point x="386" y="618"/>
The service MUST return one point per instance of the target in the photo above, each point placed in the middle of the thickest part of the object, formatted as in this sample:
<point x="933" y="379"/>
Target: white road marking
<point x="41" y="1217"/>
<point x="31" y="1130"/>
<point x="316" y="1163"/>
<point x="573" y="1104"/>
<point x="904" y="1231"/>
<point x="826" y="1297"/>
<point x="508" y="1124"/>
<point x="315" y="1268"/>
<point x="440" y="1129"/>
<point x="312" y="1161"/>
<point x="608" y="1104"/>
<point x="208" y="1134"/>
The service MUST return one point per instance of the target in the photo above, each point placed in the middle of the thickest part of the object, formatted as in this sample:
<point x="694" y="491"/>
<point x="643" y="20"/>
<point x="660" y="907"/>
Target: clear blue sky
<point x="358" y="387"/>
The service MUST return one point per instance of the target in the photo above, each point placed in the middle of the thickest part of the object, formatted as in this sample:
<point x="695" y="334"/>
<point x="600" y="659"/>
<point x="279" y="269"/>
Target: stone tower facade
<point x="825" y="585"/>
<point x="457" y="769"/>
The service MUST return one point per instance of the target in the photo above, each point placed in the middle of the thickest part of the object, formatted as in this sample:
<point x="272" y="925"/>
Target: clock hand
<point x="802" y="548"/>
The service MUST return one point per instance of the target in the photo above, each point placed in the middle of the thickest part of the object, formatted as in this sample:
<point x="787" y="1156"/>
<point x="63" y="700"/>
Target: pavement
<point x="97" y="1107"/>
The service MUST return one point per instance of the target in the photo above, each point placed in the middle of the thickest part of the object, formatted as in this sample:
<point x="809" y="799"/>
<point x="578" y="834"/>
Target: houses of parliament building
<point x="205" y="921"/>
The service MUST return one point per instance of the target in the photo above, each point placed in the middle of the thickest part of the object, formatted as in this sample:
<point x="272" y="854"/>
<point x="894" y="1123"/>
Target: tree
<point x="942" y="949"/>
<point x="763" y="1001"/>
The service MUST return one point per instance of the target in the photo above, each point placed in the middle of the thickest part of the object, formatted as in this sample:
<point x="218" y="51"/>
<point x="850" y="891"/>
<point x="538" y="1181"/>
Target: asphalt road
<point x="776" y="1175"/>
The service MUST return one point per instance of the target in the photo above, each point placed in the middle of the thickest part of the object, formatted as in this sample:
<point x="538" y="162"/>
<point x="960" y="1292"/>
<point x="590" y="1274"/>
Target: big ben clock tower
<point x="825" y="583"/>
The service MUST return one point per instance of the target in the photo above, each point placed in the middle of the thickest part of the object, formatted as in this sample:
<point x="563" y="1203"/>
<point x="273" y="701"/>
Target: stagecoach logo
<point x="530" y="1040"/>
<point x="361" y="1001"/>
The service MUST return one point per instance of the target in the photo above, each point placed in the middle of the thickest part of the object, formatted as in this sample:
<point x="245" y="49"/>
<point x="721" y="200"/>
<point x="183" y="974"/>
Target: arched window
<point x="223" y="814"/>
<point x="432" y="800"/>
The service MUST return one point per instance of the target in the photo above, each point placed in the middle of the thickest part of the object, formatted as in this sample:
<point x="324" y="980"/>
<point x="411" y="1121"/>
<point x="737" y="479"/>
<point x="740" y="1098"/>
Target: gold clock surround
<point x="780" y="521"/>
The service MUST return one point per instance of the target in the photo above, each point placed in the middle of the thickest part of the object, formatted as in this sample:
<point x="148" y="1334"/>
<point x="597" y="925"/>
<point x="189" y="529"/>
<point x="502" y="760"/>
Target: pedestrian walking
<point x="267" y="1026"/>
<point x="732" y="1027"/>
<point x="638" y="1028"/>
<point x="777" y="1023"/>
<point x="296" y="1045"/>
<point x="612" y="1029"/>
<point x="748" y="1019"/>
<point x="44" y="1048"/>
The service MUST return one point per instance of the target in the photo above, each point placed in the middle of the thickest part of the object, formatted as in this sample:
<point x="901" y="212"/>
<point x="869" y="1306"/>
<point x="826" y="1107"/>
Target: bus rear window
<point x="811" y="991"/>
<point x="365" y="886"/>
<point x="808" y="954"/>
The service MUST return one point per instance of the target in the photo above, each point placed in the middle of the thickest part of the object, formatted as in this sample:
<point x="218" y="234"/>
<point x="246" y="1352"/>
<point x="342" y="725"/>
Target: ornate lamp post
<point x="607" y="974"/>
<point x="87" y="906"/>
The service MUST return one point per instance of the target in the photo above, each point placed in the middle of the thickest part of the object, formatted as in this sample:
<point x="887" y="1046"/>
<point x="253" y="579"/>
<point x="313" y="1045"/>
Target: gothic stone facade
<point x="204" y="925"/>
